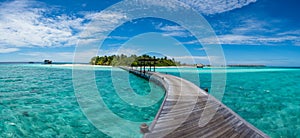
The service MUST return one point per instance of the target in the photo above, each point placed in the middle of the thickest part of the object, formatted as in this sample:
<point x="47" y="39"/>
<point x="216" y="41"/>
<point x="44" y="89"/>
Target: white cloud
<point x="173" y="30"/>
<point x="251" y="25"/>
<point x="252" y="39"/>
<point x="205" y="6"/>
<point x="190" y="42"/>
<point x="232" y="39"/>
<point x="119" y="37"/>
<point x="200" y="49"/>
<point x="293" y="32"/>
<point x="175" y="34"/>
<point x="24" y="25"/>
<point x="101" y="24"/>
<point x="249" y="32"/>
<point x="217" y="6"/>
<point x="8" y="50"/>
<point x="257" y="32"/>
<point x="297" y="42"/>
<point x="162" y="3"/>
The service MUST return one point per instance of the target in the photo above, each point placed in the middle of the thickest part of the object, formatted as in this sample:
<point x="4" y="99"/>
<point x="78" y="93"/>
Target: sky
<point x="265" y="32"/>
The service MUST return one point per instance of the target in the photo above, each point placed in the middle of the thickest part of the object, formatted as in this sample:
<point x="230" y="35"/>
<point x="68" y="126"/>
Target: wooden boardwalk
<point x="181" y="112"/>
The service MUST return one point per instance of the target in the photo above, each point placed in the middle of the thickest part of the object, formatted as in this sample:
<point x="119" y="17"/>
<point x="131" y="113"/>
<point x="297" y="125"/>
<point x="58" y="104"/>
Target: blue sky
<point x="250" y="31"/>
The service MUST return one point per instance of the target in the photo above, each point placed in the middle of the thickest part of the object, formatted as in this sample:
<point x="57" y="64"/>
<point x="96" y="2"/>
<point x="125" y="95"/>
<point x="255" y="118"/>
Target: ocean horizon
<point x="83" y="63"/>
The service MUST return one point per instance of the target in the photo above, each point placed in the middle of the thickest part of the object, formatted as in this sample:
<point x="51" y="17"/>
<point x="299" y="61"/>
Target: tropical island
<point x="132" y="60"/>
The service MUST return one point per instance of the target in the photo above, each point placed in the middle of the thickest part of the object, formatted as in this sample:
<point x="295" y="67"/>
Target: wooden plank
<point x="179" y="94"/>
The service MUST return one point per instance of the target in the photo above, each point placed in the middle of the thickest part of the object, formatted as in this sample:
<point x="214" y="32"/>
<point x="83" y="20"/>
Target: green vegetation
<point x="133" y="60"/>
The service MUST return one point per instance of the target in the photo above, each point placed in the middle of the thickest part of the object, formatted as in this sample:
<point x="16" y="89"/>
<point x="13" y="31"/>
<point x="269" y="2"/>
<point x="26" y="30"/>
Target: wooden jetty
<point x="180" y="115"/>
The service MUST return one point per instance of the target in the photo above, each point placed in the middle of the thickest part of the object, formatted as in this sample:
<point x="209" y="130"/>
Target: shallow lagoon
<point x="39" y="101"/>
<point x="268" y="98"/>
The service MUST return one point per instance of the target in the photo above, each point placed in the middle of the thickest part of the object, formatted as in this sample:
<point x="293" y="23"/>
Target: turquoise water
<point x="268" y="98"/>
<point x="39" y="101"/>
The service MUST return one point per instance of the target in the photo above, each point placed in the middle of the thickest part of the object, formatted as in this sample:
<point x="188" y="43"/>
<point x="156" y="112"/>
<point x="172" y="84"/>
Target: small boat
<point x="199" y="65"/>
<point x="47" y="62"/>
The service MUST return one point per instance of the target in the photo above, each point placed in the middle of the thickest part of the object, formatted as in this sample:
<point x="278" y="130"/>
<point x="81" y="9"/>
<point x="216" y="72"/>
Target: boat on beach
<point x="199" y="65"/>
